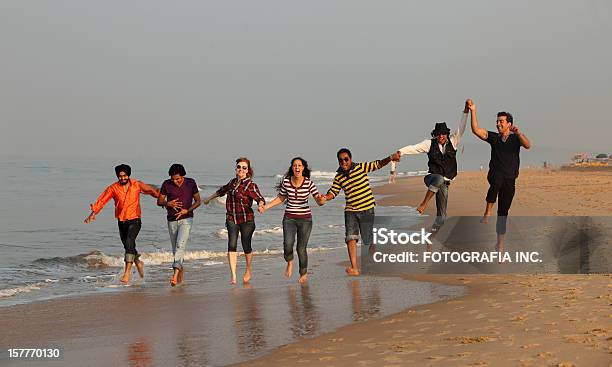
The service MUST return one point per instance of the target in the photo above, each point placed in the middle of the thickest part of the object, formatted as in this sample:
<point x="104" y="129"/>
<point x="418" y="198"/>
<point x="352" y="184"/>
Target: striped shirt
<point x="356" y="185"/>
<point x="297" y="197"/>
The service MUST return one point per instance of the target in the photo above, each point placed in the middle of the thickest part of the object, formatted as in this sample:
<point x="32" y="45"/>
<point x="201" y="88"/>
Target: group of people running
<point x="180" y="196"/>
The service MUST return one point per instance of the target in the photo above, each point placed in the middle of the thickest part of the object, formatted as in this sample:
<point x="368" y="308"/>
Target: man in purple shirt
<point x="180" y="196"/>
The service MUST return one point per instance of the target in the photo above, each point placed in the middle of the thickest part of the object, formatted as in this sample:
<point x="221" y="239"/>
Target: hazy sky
<point x="272" y="79"/>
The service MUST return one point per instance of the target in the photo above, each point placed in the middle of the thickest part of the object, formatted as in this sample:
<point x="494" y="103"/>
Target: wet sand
<point x="504" y="320"/>
<point x="209" y="323"/>
<point x="510" y="320"/>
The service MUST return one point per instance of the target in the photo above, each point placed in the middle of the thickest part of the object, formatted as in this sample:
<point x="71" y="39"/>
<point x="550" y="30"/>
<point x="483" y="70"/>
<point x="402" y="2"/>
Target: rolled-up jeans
<point x="436" y="184"/>
<point x="128" y="231"/>
<point x="179" y="235"/>
<point x="359" y="223"/>
<point x="302" y="228"/>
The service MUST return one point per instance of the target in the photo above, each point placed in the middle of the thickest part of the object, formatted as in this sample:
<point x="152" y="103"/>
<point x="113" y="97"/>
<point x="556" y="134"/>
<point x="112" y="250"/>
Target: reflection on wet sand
<point x="368" y="305"/>
<point x="304" y="315"/>
<point x="248" y="322"/>
<point x="139" y="354"/>
<point x="195" y="325"/>
<point x="192" y="351"/>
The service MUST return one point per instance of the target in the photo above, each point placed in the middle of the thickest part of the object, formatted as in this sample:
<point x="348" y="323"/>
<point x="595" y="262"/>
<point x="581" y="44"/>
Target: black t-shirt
<point x="504" y="155"/>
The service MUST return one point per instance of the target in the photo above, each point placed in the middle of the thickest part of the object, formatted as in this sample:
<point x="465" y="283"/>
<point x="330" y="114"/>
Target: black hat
<point x="440" y="128"/>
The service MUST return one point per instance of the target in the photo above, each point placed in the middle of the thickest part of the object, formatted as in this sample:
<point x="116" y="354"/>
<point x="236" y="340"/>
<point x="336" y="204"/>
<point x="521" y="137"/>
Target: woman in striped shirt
<point x="296" y="187"/>
<point x="239" y="218"/>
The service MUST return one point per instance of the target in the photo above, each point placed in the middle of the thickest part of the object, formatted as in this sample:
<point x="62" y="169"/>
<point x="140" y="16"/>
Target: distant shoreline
<point x="587" y="168"/>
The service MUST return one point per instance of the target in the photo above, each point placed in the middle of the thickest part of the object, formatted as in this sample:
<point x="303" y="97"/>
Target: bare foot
<point x="421" y="208"/>
<point x="125" y="278"/>
<point x="246" y="277"/>
<point x="289" y="269"/>
<point x="303" y="279"/>
<point x="485" y="217"/>
<point x="352" y="272"/>
<point x="174" y="280"/>
<point x="233" y="281"/>
<point x="180" y="277"/>
<point x="139" y="267"/>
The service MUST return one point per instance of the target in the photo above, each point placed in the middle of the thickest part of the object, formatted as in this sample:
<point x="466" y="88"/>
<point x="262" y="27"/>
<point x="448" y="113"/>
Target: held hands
<point x="261" y="207"/>
<point x="320" y="199"/>
<point x="210" y="198"/>
<point x="469" y="106"/>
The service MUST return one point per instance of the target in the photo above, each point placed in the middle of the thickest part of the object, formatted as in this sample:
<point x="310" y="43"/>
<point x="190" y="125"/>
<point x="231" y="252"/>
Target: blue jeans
<point x="179" y="235"/>
<point x="359" y="222"/>
<point x="302" y="228"/>
<point x="436" y="183"/>
<point x="245" y="229"/>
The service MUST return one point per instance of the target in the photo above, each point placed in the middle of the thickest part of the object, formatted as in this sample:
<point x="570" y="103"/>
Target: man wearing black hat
<point x="441" y="149"/>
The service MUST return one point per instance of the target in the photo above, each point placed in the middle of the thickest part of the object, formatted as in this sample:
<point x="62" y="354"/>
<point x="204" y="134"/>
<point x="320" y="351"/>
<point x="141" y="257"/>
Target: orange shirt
<point x="127" y="204"/>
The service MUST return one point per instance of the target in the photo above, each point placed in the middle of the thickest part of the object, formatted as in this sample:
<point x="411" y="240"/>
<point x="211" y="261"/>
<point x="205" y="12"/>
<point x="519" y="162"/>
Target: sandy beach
<point x="538" y="192"/>
<point x="418" y="320"/>
<point x="512" y="320"/>
<point x="504" y="320"/>
<point x="207" y="322"/>
<point x="192" y="134"/>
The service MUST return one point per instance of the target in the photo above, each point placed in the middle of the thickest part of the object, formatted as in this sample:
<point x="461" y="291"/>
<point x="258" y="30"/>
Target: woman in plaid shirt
<point x="239" y="218"/>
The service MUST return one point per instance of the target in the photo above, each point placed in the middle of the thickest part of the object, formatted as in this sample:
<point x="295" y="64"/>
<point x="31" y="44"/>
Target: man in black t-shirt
<point x="504" y="163"/>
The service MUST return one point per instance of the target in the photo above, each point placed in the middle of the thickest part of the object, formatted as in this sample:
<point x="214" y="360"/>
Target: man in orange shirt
<point x="126" y="193"/>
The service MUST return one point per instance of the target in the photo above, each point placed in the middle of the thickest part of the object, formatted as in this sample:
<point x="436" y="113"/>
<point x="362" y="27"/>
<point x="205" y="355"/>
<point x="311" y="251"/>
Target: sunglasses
<point x="242" y="167"/>
<point x="345" y="159"/>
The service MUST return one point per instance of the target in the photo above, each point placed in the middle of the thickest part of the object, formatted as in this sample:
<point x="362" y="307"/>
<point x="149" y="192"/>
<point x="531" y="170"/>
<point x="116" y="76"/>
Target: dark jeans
<point x="436" y="184"/>
<point x="246" y="230"/>
<point x="128" y="231"/>
<point x="502" y="188"/>
<point x="300" y="227"/>
<point x="356" y="223"/>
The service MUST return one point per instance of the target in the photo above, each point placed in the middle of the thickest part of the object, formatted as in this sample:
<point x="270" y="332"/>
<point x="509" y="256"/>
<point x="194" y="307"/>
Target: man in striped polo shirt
<point x="359" y="210"/>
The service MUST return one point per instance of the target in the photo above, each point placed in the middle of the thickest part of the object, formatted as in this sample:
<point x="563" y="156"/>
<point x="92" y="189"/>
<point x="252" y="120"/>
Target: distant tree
<point x="602" y="155"/>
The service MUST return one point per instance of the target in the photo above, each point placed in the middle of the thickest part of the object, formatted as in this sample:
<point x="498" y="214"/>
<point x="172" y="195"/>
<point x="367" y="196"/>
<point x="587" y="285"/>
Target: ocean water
<point x="48" y="252"/>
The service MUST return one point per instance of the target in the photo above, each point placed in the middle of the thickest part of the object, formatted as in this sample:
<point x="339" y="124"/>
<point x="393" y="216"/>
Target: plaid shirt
<point x="240" y="196"/>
